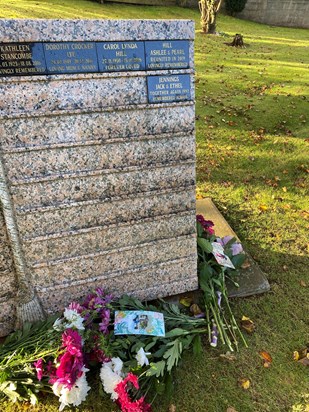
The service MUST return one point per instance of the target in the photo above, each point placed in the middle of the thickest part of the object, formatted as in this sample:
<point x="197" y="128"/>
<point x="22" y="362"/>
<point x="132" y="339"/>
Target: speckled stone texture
<point x="102" y="182"/>
<point x="7" y="282"/>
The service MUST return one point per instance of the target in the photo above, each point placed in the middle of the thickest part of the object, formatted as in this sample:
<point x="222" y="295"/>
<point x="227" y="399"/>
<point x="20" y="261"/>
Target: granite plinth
<point x="99" y="183"/>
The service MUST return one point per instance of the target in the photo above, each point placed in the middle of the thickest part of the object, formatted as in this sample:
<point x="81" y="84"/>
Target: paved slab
<point x="252" y="280"/>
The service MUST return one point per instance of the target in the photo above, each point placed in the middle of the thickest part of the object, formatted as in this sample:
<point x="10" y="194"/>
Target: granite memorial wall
<point x="97" y="162"/>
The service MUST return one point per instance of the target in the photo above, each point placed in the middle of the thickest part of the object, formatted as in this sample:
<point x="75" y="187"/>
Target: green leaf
<point x="206" y="270"/>
<point x="169" y="387"/>
<point x="151" y="344"/>
<point x="199" y="229"/>
<point x="176" y="332"/>
<point x="173" y="354"/>
<point x="156" y="369"/>
<point x="197" y="345"/>
<point x="204" y="244"/>
<point x="9" y="388"/>
<point x="238" y="260"/>
<point x="160" y="387"/>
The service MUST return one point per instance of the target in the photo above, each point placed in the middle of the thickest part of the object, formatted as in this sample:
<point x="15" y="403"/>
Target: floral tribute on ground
<point x="58" y="355"/>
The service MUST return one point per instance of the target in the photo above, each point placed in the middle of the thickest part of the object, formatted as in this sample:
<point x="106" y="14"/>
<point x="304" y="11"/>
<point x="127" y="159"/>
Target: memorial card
<point x="139" y="322"/>
<point x="220" y="256"/>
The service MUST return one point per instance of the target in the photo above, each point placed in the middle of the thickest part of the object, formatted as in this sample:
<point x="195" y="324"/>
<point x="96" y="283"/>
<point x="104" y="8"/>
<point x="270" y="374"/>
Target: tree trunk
<point x="209" y="10"/>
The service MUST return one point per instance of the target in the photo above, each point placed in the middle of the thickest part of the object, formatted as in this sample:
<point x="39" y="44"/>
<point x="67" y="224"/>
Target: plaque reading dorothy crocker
<point x="71" y="57"/>
<point x="121" y="56"/>
<point x="175" y="88"/>
<point x="18" y="59"/>
<point x="167" y="54"/>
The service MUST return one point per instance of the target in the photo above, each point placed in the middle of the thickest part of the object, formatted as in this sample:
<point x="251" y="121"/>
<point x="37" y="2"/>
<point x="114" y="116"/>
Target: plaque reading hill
<point x="167" y="54"/>
<point x="97" y="162"/>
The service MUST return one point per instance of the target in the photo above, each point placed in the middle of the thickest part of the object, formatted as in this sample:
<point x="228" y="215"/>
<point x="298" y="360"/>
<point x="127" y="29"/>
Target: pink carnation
<point x="39" y="365"/>
<point x="125" y="402"/>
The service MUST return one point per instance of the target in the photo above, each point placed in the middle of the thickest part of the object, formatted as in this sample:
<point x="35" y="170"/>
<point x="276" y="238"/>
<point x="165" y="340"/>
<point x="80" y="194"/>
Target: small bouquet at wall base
<point x="218" y="260"/>
<point x="55" y="356"/>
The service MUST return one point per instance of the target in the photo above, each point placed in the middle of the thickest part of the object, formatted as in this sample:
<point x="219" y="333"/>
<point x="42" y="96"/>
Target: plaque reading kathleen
<point x="21" y="59"/>
<point x="167" y="54"/>
<point x="71" y="57"/>
<point x="121" y="56"/>
<point x="164" y="89"/>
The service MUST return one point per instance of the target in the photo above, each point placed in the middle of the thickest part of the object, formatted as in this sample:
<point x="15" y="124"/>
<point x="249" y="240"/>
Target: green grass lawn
<point x="252" y="158"/>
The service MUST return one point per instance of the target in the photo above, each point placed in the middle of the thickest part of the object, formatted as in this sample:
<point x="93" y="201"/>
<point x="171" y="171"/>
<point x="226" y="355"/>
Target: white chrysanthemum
<point x="74" y="396"/>
<point x="117" y="365"/>
<point x="58" y="325"/>
<point x="74" y="319"/>
<point x="141" y="357"/>
<point x="111" y="375"/>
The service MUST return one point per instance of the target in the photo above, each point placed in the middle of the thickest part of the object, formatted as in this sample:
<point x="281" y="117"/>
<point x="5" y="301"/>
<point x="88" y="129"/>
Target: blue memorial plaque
<point x="166" y="89"/>
<point x="173" y="54"/>
<point x="21" y="59"/>
<point x="121" y="56"/>
<point x="71" y="57"/>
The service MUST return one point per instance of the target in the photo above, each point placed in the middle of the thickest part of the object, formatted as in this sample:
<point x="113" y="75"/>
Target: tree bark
<point x="209" y="10"/>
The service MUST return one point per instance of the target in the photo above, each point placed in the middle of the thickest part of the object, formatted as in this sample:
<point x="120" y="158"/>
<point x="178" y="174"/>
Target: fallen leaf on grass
<point x="230" y="409"/>
<point x="303" y="284"/>
<point x="247" y="324"/>
<point x="195" y="309"/>
<point x="302" y="356"/>
<point x="244" y="383"/>
<point x="266" y="358"/>
<point x="172" y="408"/>
<point x="186" y="301"/>
<point x="228" y="356"/>
<point x="246" y="265"/>
<point x="263" y="208"/>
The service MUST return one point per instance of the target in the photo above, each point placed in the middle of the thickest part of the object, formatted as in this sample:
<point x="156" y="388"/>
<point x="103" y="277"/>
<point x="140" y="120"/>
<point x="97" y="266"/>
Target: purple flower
<point x="76" y="306"/>
<point x="214" y="335"/>
<point x="96" y="300"/>
<point x="39" y="364"/>
<point x="219" y="294"/>
<point x="105" y="319"/>
<point x="236" y="249"/>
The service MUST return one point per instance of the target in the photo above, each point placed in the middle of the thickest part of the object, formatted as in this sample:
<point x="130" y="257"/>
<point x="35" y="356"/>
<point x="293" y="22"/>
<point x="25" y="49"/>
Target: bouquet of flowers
<point x="54" y="356"/>
<point x="218" y="260"/>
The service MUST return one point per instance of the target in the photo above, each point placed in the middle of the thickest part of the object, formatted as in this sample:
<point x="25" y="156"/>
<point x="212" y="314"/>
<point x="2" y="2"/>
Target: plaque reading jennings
<point x="164" y="89"/>
<point x="121" y="56"/>
<point x="167" y="54"/>
<point x="71" y="57"/>
<point x="21" y="59"/>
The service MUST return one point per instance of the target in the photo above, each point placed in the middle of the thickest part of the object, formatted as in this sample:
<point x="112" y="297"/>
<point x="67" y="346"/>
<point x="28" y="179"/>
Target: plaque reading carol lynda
<point x="166" y="89"/>
<point x="21" y="59"/>
<point x="121" y="56"/>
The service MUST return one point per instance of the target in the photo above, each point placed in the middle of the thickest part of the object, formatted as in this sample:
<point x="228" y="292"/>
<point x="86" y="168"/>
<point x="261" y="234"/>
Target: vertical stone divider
<point x="28" y="307"/>
<point x="7" y="282"/>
